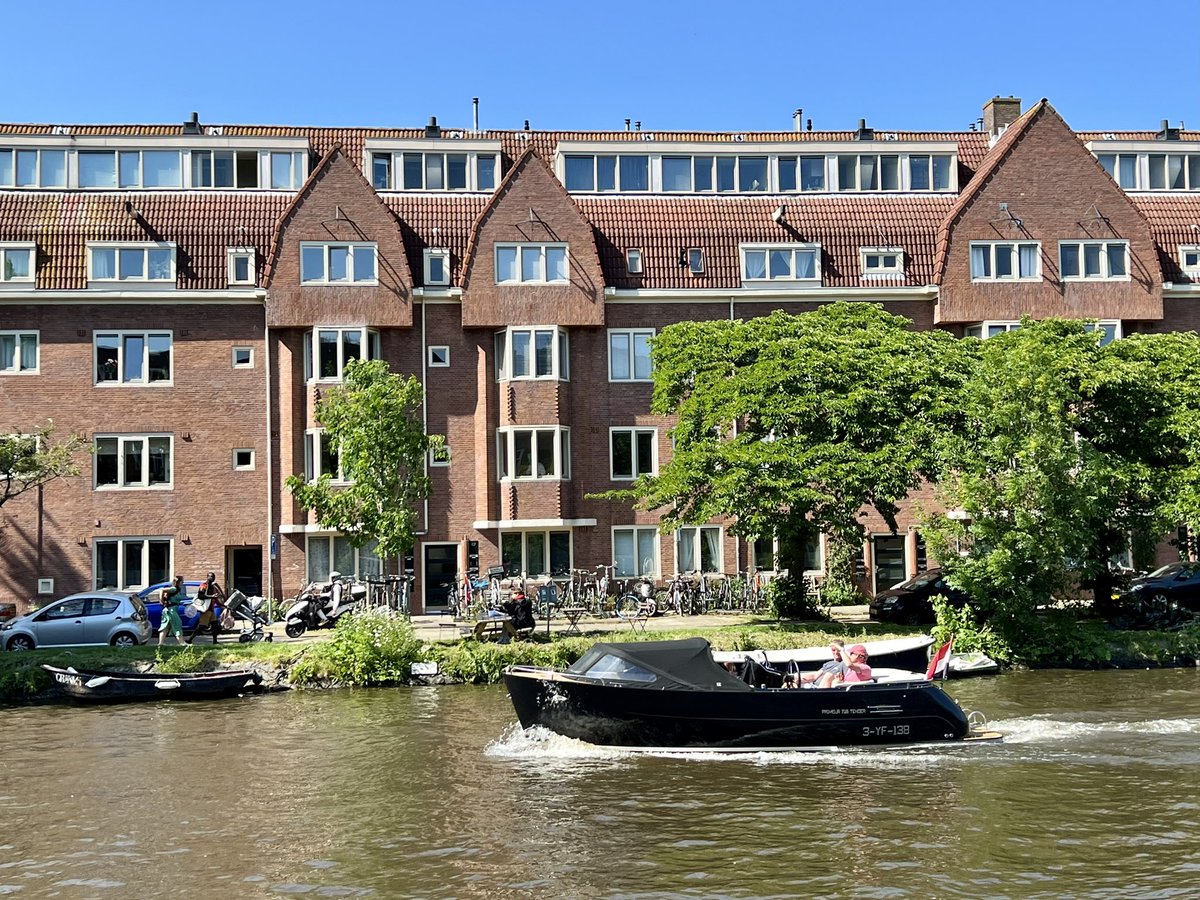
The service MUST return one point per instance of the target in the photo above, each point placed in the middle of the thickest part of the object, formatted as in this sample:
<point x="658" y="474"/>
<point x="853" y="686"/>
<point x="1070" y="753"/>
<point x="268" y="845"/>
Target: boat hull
<point x="99" y="686"/>
<point x="613" y="714"/>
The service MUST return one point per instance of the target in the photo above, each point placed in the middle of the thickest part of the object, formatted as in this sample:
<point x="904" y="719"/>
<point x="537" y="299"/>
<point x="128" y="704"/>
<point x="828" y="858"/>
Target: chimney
<point x="797" y="119"/>
<point x="192" y="126"/>
<point x="1167" y="133"/>
<point x="865" y="133"/>
<point x="433" y="130"/>
<point x="999" y="113"/>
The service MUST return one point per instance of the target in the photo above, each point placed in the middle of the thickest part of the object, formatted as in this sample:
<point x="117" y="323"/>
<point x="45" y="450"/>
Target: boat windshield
<point x="615" y="668"/>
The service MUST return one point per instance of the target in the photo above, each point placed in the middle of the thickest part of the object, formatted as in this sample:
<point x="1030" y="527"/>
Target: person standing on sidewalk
<point x="206" y="599"/>
<point x="172" y="596"/>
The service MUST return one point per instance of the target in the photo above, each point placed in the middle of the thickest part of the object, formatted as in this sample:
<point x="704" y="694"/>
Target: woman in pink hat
<point x="856" y="665"/>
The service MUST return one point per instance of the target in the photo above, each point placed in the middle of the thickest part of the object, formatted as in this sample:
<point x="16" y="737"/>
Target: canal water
<point x="433" y="792"/>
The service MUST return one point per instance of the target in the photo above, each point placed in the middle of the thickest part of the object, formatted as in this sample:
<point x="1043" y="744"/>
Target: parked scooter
<point x="314" y="608"/>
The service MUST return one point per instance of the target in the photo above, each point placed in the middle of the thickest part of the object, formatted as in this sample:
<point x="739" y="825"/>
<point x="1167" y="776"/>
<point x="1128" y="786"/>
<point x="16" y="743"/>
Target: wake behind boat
<point x="672" y="694"/>
<point x="101" y="686"/>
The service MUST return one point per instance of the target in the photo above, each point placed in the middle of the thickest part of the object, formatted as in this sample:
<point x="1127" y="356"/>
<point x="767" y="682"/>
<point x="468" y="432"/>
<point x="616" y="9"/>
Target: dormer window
<point x="131" y="263"/>
<point x="241" y="266"/>
<point x="764" y="263"/>
<point x="17" y="263"/>
<point x="33" y="168"/>
<point x="1189" y="260"/>
<point x="881" y="261"/>
<point x="437" y="267"/>
<point x="695" y="260"/>
<point x="473" y="169"/>
<point x="633" y="261"/>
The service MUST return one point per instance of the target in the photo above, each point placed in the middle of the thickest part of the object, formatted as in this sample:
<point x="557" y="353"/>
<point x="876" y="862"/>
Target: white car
<point x="91" y="618"/>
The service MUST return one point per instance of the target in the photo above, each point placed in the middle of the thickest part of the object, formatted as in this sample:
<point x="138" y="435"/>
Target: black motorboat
<point x="101" y="686"/>
<point x="672" y="694"/>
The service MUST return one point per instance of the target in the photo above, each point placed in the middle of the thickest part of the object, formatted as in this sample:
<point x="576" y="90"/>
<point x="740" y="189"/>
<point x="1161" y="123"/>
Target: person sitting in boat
<point x="826" y="675"/>
<point x="856" y="665"/>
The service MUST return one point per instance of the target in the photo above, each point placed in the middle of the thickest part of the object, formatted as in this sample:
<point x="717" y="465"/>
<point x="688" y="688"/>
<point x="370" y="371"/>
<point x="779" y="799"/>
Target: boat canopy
<point x="685" y="665"/>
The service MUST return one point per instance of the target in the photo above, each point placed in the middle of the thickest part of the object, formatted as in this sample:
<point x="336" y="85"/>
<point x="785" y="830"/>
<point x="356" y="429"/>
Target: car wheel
<point x="124" y="639"/>
<point x="20" y="642"/>
<point x="911" y="617"/>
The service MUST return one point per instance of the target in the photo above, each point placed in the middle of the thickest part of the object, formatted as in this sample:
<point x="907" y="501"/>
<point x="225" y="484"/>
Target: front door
<point x="246" y="570"/>
<point x="889" y="561"/>
<point x="441" y="568"/>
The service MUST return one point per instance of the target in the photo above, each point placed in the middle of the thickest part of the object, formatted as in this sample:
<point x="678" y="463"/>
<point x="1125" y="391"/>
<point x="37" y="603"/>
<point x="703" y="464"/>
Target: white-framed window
<point x="133" y="357"/>
<point x="635" y="551"/>
<point x="19" y="352"/>
<point x="986" y="330"/>
<point x="131" y="563"/>
<point x="333" y="348"/>
<point x="439" y="357"/>
<point x="224" y="169"/>
<point x="321" y="457"/>
<point x="241" y="265"/>
<point x="1006" y="261"/>
<point x="931" y="172"/>
<point x="629" y="354"/>
<point x="538" y="353"/>
<point x="695" y="260"/>
<point x="243" y="357"/>
<point x="437" y="266"/>
<point x="33" y="168"/>
<point x="440" y="455"/>
<point x="1093" y="260"/>
<point x="152" y="263"/>
<point x="287" y="169"/>
<point x="868" y="172"/>
<point x="17" y="262"/>
<point x="881" y="261"/>
<point x="764" y="554"/>
<point x="243" y="459"/>
<point x="1109" y="329"/>
<point x="698" y="549"/>
<point x="108" y="169"/>
<point x="633" y="261"/>
<point x="337" y="263"/>
<point x="327" y="553"/>
<point x="1153" y="171"/>
<point x="533" y="453"/>
<point x="536" y="553"/>
<point x="632" y="452"/>
<point x="133" y="461"/>
<point x="607" y="172"/>
<point x="532" y="264"/>
<point x="435" y="170"/>
<point x="1189" y="259"/>
<point x="783" y="262"/>
<point x="1122" y="167"/>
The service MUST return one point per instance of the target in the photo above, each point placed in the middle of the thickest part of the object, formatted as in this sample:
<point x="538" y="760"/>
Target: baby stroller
<point x="246" y="609"/>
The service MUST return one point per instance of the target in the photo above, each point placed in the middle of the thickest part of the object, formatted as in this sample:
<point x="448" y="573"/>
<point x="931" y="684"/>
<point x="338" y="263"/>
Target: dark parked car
<point x="152" y="596"/>
<point x="911" y="603"/>
<point x="1177" y="583"/>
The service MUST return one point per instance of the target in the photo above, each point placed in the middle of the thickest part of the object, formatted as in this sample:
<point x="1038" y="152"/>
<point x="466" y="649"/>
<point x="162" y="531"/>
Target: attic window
<point x="1189" y="260"/>
<point x="437" y="267"/>
<point x="633" y="261"/>
<point x="695" y="261"/>
<point x="882" y="260"/>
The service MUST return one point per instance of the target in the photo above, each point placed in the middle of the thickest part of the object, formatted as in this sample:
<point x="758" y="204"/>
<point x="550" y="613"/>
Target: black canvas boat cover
<point x="685" y="665"/>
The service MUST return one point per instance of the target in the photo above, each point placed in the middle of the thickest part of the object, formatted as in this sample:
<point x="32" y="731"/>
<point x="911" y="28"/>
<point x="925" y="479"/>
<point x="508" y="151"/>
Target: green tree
<point x="792" y="423"/>
<point x="29" y="459"/>
<point x="373" y="420"/>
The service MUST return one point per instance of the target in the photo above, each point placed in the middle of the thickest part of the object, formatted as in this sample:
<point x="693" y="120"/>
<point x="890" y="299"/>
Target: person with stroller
<point x="172" y="596"/>
<point x="206" y="601"/>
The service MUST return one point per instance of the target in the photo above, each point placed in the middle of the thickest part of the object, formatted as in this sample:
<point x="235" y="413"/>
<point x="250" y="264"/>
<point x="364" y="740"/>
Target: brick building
<point x="182" y="294"/>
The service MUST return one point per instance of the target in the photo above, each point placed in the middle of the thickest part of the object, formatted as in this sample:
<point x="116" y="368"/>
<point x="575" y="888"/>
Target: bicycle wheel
<point x="628" y="606"/>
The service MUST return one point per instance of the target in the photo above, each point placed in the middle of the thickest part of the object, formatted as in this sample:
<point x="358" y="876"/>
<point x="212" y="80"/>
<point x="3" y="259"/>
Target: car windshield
<point x="921" y="580"/>
<point x="1167" y="571"/>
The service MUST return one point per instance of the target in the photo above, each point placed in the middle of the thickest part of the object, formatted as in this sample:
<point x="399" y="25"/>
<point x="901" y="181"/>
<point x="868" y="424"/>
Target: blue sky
<point x="700" y="65"/>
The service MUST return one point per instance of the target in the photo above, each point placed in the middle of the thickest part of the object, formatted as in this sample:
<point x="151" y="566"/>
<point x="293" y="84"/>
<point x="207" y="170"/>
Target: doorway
<point x="246" y="570"/>
<point x="438" y="573"/>
<point x="889" y="561"/>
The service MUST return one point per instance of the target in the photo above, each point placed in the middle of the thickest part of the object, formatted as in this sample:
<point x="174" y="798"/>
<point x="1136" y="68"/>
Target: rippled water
<point x="433" y="792"/>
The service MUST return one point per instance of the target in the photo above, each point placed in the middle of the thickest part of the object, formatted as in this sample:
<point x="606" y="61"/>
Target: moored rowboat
<point x="101" y="686"/>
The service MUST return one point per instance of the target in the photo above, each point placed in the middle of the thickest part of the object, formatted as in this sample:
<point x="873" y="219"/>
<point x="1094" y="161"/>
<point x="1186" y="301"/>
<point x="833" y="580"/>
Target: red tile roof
<point x="1174" y="220"/>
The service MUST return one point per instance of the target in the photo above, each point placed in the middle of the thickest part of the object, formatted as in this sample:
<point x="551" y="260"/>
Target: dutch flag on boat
<point x="940" y="662"/>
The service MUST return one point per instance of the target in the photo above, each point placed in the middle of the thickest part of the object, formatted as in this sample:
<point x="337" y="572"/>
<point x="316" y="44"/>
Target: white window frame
<point x="698" y="546"/>
<point x="523" y="535"/>
<point x="396" y="169"/>
<point x="122" y="583"/>
<point x="369" y="340"/>
<point x="991" y="328"/>
<point x="633" y="261"/>
<point x="440" y="457"/>
<point x="1189" y="259"/>
<point x="13" y="366"/>
<point x="38" y="181"/>
<point x="313" y="438"/>
<point x="1117" y="173"/>
<point x="633" y="335"/>
<point x="635" y="460"/>
<point x="440" y="253"/>
<point x="247" y="467"/>
<point x="695" y="260"/>
<point x="1108" y="326"/>
<point x="506" y="441"/>
<point x="353" y="249"/>
<point x="363" y="561"/>
<point x="990" y="250"/>
<point x="439" y="356"/>
<point x="249" y="357"/>
<point x="793" y="249"/>
<point x="123" y="482"/>
<point x="120" y="247"/>
<point x="7" y="247"/>
<point x="617" y="187"/>
<point x="881" y="269"/>
<point x="1103" y="274"/>
<point x="638" y="533"/>
<point x="528" y="247"/>
<point x="560" y="353"/>
<point x="232" y="255"/>
<point x="145" y="380"/>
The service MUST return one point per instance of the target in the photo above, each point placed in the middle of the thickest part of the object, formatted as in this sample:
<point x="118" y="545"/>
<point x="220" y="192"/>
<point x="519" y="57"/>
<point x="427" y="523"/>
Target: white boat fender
<point x="167" y="684"/>
<point x="98" y="681"/>
<point x="71" y="670"/>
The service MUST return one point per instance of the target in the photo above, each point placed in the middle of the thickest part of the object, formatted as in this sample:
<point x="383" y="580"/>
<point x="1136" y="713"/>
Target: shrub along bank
<point x="379" y="648"/>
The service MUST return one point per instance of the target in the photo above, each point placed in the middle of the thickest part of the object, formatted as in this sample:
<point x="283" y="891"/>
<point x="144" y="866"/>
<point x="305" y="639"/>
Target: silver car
<point x="92" y="618"/>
